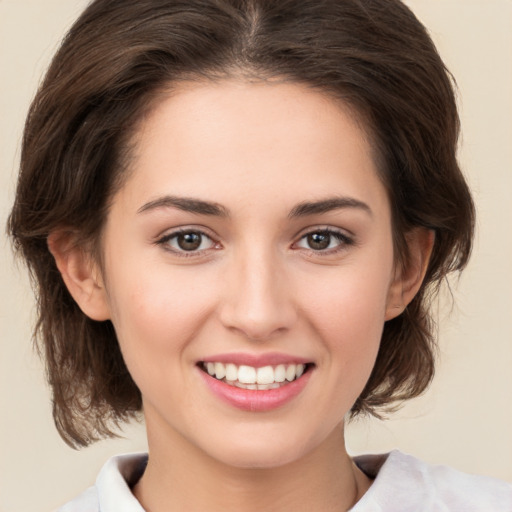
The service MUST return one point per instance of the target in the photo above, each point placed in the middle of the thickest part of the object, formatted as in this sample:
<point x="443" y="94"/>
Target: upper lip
<point x="255" y="360"/>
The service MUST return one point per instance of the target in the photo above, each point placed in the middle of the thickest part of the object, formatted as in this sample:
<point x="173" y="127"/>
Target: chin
<point x="260" y="451"/>
<point x="244" y="458"/>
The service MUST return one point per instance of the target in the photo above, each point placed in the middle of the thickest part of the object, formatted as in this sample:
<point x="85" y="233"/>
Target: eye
<point x="188" y="241"/>
<point x="324" y="240"/>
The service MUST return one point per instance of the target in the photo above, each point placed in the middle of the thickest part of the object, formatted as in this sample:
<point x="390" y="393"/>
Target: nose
<point x="258" y="300"/>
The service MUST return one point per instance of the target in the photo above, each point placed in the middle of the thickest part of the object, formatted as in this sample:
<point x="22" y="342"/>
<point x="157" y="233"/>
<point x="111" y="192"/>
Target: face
<point x="249" y="269"/>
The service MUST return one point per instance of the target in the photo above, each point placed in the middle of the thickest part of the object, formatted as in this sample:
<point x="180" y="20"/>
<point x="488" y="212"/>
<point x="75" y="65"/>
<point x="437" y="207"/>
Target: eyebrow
<point x="327" y="205"/>
<point x="304" y="209"/>
<point x="187" y="204"/>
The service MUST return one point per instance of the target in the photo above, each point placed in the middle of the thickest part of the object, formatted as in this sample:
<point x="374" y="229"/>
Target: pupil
<point x="319" y="240"/>
<point x="189" y="241"/>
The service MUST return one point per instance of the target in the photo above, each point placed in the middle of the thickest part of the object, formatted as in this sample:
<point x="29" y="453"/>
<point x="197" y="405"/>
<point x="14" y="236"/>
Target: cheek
<point x="349" y="314"/>
<point x="351" y="301"/>
<point x="155" y="313"/>
<point x="351" y="328"/>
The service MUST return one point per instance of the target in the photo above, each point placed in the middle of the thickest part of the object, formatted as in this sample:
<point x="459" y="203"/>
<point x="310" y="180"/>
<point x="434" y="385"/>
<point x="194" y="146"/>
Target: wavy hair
<point x="374" y="55"/>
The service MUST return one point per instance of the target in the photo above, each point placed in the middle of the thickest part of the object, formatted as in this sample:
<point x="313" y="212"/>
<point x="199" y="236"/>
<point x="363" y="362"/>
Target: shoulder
<point x="403" y="483"/>
<point x="111" y="491"/>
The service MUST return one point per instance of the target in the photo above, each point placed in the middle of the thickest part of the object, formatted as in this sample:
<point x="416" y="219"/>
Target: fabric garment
<point x="401" y="484"/>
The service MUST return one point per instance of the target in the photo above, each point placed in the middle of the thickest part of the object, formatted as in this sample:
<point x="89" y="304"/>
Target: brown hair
<point x="373" y="54"/>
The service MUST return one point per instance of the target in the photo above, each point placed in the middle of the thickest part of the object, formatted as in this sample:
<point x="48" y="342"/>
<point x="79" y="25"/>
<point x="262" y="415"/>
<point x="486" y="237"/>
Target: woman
<point x="249" y="205"/>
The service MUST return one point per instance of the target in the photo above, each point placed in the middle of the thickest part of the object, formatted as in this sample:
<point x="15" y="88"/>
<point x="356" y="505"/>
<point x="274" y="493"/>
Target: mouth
<point x="255" y="378"/>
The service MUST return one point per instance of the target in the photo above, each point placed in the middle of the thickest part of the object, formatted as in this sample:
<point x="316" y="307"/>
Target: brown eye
<point x="189" y="241"/>
<point x="324" y="240"/>
<point x="318" y="241"/>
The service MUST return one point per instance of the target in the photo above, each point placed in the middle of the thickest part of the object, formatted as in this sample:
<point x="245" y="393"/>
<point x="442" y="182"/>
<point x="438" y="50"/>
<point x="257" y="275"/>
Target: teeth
<point x="237" y="384"/>
<point x="248" y="377"/>
<point x="280" y="373"/>
<point x="245" y="386"/>
<point x="265" y="375"/>
<point x="231" y="372"/>
<point x="220" y="371"/>
<point x="290" y="372"/>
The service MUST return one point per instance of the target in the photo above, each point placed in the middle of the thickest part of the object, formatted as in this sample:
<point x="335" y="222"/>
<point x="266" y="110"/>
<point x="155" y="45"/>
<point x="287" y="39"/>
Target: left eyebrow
<point x="187" y="204"/>
<point x="327" y="205"/>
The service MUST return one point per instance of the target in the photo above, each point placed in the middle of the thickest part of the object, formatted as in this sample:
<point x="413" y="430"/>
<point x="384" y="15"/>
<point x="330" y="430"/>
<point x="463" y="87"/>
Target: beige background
<point x="466" y="418"/>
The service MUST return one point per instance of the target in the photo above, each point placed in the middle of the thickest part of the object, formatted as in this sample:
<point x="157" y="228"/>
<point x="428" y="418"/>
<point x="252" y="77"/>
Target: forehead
<point x="261" y="139"/>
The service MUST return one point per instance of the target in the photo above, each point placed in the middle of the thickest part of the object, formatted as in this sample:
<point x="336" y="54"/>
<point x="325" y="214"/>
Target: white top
<point x="402" y="484"/>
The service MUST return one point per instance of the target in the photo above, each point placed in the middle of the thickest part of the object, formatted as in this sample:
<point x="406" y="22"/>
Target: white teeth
<point x="248" y="377"/>
<point x="274" y="385"/>
<point x="280" y="373"/>
<point x="231" y="372"/>
<point x="261" y="387"/>
<point x="290" y="372"/>
<point x="265" y="375"/>
<point x="220" y="371"/>
<point x="247" y="374"/>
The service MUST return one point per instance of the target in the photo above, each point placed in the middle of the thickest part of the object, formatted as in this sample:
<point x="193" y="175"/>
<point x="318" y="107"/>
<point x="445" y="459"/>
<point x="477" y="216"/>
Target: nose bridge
<point x="257" y="302"/>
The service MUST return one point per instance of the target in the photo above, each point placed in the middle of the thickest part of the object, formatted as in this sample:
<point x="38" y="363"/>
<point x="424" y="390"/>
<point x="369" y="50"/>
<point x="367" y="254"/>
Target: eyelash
<point x="343" y="242"/>
<point x="182" y="253"/>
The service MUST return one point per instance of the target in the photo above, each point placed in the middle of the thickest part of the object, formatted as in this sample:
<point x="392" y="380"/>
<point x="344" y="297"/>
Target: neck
<point x="180" y="477"/>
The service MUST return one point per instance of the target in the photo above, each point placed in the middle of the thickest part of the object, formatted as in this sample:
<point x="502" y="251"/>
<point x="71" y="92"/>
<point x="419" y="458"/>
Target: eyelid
<point x="167" y="235"/>
<point x="313" y="228"/>
<point x="345" y="238"/>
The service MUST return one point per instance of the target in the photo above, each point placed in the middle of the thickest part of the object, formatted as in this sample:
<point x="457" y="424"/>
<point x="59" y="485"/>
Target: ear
<point x="410" y="274"/>
<point x="80" y="273"/>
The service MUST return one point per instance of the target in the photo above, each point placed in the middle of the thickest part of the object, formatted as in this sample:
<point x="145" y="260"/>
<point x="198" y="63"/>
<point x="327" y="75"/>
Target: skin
<point x="255" y="285"/>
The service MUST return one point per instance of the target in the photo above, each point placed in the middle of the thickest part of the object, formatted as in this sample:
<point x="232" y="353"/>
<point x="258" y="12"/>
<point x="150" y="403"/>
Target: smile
<point x="250" y="377"/>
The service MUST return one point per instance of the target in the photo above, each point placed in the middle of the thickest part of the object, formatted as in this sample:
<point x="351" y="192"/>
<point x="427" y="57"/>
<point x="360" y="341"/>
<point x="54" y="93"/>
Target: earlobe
<point x="80" y="273"/>
<point x="409" y="276"/>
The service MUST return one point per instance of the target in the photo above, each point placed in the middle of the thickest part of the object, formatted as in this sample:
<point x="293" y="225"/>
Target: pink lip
<point x="254" y="400"/>
<point x="256" y="360"/>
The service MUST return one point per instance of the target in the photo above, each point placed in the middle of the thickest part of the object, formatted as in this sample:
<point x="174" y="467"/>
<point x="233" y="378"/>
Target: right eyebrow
<point x="187" y="204"/>
<point x="327" y="205"/>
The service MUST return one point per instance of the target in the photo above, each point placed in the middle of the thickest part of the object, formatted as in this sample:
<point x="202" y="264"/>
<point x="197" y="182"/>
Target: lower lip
<point x="256" y="400"/>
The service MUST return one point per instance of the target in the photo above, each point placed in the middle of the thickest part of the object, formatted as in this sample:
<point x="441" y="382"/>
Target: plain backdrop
<point x="465" y="420"/>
